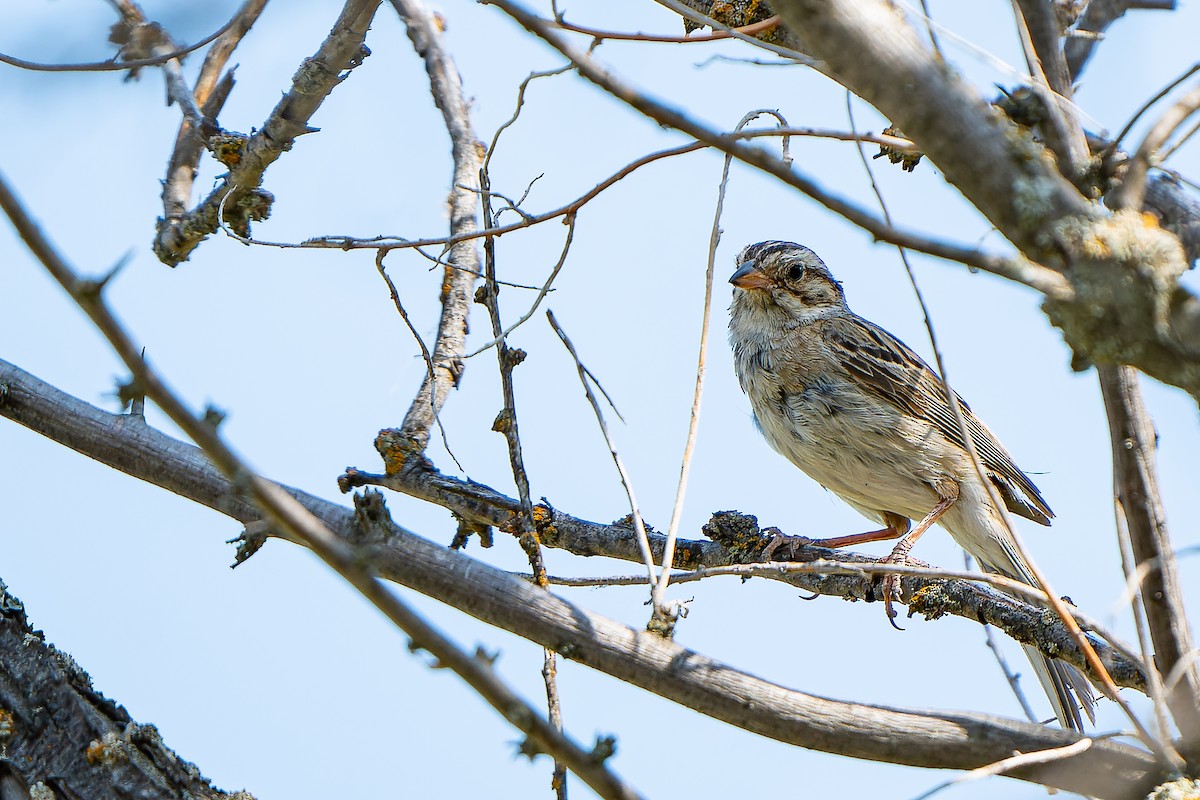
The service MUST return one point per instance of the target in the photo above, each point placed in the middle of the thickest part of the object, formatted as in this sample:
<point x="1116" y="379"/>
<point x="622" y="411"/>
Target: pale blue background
<point x="277" y="677"/>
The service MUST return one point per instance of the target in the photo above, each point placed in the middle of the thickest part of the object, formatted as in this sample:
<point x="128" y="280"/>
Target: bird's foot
<point x="891" y="581"/>
<point x="790" y="543"/>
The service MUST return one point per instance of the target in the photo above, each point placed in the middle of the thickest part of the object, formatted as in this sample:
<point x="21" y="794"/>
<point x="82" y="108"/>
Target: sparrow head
<point x="789" y="277"/>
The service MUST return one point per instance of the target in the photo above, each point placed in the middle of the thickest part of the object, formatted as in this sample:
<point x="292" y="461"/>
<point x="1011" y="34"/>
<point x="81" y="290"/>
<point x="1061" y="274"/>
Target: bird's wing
<point x="887" y="368"/>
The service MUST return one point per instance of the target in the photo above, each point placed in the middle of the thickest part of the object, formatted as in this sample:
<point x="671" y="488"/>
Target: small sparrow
<point x="860" y="413"/>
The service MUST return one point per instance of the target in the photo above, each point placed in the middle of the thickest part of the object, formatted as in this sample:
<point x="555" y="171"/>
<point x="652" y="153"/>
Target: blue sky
<point x="276" y="677"/>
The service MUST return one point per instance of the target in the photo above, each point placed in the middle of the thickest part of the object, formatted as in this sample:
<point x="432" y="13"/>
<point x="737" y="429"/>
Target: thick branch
<point x="126" y="443"/>
<point x="927" y="739"/>
<point x="57" y="730"/>
<point x="1136" y="482"/>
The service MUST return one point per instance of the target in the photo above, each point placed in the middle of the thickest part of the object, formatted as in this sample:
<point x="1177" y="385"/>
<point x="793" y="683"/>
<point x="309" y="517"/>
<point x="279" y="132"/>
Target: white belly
<point x="865" y="452"/>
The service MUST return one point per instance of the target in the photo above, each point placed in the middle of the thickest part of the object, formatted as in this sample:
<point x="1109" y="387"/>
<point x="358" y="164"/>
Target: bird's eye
<point x="795" y="273"/>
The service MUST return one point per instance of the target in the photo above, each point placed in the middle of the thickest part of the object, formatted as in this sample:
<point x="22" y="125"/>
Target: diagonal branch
<point x="1136" y="483"/>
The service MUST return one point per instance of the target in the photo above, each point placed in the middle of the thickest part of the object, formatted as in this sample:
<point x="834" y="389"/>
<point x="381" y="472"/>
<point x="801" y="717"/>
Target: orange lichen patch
<point x="228" y="148"/>
<point x="447" y="283"/>
<point x="395" y="448"/>
<point x="1151" y="219"/>
<point x="105" y="750"/>
<point x="512" y="523"/>
<point x="542" y="516"/>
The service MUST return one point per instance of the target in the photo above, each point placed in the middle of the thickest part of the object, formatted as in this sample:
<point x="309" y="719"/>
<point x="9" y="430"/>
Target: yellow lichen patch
<point x="7" y="724"/>
<point x="395" y="448"/>
<point x="542" y="516"/>
<point x="228" y="148"/>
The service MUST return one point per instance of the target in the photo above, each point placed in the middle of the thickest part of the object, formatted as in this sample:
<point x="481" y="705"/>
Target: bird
<point x="865" y="417"/>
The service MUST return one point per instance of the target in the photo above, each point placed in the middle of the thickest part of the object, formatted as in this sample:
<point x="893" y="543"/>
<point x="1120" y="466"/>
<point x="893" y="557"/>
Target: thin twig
<point x="864" y="569"/>
<point x="1015" y="268"/>
<point x="932" y="32"/>
<point x="391" y="242"/>
<point x="1132" y="596"/>
<point x="635" y="513"/>
<point x="506" y="423"/>
<point x="770" y="23"/>
<point x="545" y="289"/>
<point x="112" y="65"/>
<point x="663" y="618"/>
<point x="1146" y="106"/>
<point x="1015" y="762"/>
<point x="395" y="295"/>
<point x="1133" y="186"/>
<point x="1167" y="152"/>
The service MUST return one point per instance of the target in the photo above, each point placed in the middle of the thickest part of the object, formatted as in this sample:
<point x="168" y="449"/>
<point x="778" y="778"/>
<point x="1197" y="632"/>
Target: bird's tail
<point x="1068" y="689"/>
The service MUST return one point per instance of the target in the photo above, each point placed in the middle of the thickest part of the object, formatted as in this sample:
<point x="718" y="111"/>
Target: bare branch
<point x="1038" y="25"/>
<point x="599" y="35"/>
<point x="181" y="168"/>
<point x="113" y="65"/>
<point x="957" y="740"/>
<point x="462" y="263"/>
<point x="1136" y="482"/>
<point x="1096" y="18"/>
<point x="288" y="515"/>
<point x="1016" y="269"/>
<point x="1133" y="184"/>
<point x="635" y="513"/>
<point x="248" y="157"/>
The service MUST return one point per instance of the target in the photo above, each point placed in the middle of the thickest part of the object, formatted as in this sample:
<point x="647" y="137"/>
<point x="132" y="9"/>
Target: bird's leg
<point x="947" y="491"/>
<point x="897" y="526"/>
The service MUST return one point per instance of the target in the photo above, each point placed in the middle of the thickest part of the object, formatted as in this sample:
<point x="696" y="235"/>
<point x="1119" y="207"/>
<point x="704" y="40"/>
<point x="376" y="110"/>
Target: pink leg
<point x="948" y="492"/>
<point x="897" y="526"/>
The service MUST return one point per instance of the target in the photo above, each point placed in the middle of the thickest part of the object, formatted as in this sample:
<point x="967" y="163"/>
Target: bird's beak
<point x="749" y="276"/>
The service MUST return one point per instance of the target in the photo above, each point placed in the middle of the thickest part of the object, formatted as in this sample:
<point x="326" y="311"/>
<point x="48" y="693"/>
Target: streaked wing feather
<point x="887" y="367"/>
